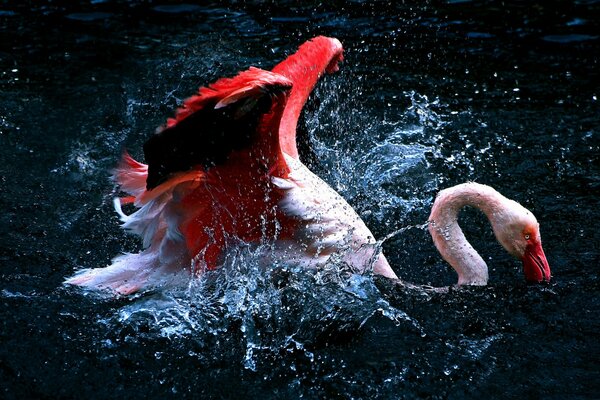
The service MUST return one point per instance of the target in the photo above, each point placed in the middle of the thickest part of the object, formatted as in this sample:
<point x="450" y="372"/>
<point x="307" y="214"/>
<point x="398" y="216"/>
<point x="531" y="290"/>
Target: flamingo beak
<point x="535" y="265"/>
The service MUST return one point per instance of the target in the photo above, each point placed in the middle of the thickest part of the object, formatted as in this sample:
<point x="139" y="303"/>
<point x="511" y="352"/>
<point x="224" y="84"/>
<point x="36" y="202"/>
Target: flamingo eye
<point x="527" y="236"/>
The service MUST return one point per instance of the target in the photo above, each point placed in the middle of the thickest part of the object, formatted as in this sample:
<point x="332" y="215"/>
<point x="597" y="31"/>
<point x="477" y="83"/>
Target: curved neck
<point x="304" y="68"/>
<point x="448" y="236"/>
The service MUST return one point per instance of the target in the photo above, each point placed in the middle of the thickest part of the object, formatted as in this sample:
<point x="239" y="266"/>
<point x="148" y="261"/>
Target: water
<point x="430" y="95"/>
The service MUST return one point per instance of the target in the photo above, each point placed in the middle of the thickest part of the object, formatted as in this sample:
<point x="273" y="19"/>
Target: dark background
<point x="431" y="94"/>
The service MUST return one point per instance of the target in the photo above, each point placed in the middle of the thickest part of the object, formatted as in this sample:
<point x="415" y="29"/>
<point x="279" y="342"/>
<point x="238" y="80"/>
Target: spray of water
<point x="273" y="310"/>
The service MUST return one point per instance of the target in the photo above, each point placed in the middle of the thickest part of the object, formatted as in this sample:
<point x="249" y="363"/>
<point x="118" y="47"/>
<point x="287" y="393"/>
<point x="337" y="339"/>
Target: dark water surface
<point x="430" y="95"/>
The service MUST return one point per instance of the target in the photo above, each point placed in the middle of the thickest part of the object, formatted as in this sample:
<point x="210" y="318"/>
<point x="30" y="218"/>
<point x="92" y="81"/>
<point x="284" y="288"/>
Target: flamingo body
<point x="226" y="168"/>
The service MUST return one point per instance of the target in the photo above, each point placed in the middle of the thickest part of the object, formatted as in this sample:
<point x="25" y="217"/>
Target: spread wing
<point x="224" y="117"/>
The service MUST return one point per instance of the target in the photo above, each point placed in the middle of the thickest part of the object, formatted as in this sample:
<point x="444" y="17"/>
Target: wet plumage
<point x="226" y="167"/>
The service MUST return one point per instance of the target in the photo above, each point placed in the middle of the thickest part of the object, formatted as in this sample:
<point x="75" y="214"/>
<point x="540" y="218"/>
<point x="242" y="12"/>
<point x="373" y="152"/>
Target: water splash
<point x="385" y="162"/>
<point x="274" y="312"/>
<point x="425" y="110"/>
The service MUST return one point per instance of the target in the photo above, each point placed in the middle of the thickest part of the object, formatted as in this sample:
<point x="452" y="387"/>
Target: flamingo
<point x="515" y="227"/>
<point x="226" y="168"/>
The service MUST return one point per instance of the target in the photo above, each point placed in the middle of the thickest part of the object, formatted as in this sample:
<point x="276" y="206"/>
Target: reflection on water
<point x="429" y="96"/>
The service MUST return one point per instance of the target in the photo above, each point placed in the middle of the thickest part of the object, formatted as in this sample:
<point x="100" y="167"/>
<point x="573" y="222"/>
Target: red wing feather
<point x="229" y="115"/>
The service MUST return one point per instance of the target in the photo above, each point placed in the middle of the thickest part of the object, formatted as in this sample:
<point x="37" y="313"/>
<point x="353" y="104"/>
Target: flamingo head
<point x="518" y="231"/>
